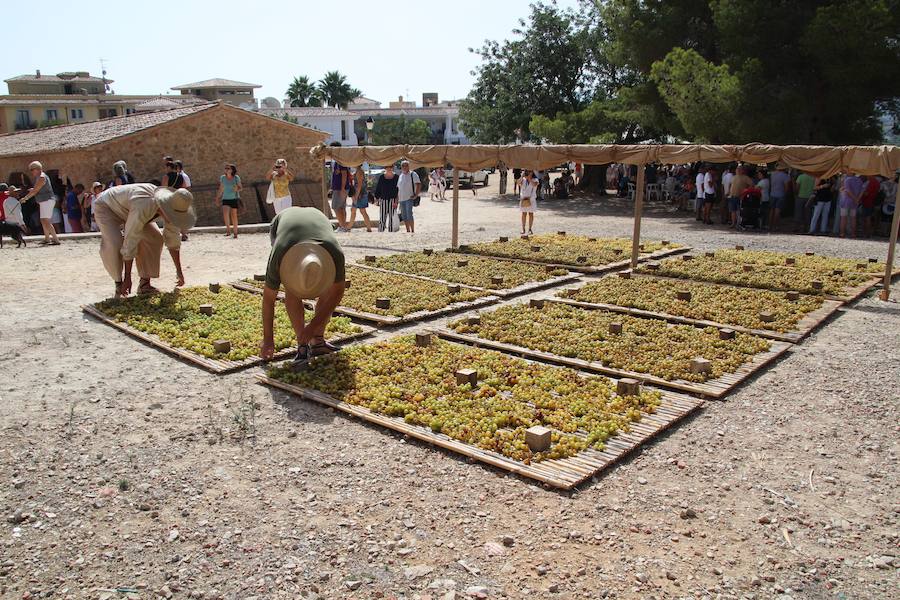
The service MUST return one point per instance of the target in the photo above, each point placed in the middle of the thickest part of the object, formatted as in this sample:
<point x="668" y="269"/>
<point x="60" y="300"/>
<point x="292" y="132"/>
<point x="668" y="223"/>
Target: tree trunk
<point x="594" y="179"/>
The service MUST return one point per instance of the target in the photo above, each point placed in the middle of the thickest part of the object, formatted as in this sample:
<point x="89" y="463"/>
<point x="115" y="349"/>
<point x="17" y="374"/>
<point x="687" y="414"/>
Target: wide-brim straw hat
<point x="307" y="270"/>
<point x="178" y="206"/>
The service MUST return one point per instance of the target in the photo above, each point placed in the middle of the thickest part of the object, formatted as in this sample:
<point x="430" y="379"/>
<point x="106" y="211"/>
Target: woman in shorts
<point x="528" y="199"/>
<point x="279" y="195"/>
<point x="43" y="194"/>
<point x="360" y="198"/>
<point x="229" y="197"/>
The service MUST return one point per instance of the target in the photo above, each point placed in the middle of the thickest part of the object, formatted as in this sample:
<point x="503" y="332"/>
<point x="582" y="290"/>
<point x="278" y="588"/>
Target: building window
<point x="52" y="114"/>
<point x="106" y="113"/>
<point x="343" y="130"/>
<point x="23" y="119"/>
<point x="77" y="114"/>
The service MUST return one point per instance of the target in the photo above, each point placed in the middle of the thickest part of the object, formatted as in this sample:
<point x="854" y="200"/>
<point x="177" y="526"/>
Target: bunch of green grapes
<point x="175" y="318"/>
<point x="407" y="295"/>
<point x="707" y="268"/>
<point x="730" y="305"/>
<point x="572" y="250"/>
<point x="398" y="379"/>
<point x="822" y="264"/>
<point x="644" y="346"/>
<point x="478" y="272"/>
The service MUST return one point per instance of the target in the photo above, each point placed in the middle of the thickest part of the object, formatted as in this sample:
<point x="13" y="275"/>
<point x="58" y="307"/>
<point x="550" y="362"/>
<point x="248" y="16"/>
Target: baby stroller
<point x="750" y="201"/>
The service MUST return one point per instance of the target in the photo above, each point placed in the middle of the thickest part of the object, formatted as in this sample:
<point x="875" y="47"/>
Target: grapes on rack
<point x="825" y="265"/>
<point x="574" y="250"/>
<point x="399" y="379"/>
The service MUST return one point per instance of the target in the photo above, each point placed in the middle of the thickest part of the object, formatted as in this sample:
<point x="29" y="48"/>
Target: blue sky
<point x="385" y="49"/>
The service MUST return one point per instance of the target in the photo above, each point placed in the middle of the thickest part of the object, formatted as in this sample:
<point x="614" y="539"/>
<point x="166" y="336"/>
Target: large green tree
<point x="302" y="92"/>
<point x="392" y="131"/>
<point x="335" y="91"/>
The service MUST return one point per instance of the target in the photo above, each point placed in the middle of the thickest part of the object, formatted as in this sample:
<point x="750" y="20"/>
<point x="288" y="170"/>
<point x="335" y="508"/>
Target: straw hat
<point x="306" y="270"/>
<point x="177" y="206"/>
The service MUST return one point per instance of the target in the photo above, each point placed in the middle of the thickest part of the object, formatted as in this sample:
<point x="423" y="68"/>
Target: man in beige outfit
<point x="133" y="210"/>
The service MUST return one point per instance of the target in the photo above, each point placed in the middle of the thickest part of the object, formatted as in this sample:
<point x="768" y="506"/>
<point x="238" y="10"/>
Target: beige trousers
<point x="149" y="249"/>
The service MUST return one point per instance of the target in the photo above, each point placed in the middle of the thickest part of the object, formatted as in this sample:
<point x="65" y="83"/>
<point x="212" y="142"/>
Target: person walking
<point x="434" y="185"/>
<point x="279" y="195"/>
<point x="360" y="198"/>
<point x="386" y="196"/>
<point x="442" y="183"/>
<point x="867" y="199"/>
<point x="43" y="194"/>
<point x="409" y="186"/>
<point x="778" y="192"/>
<point x="822" y="194"/>
<point x="73" y="209"/>
<point x="87" y="207"/>
<point x="710" y="196"/>
<point x="340" y="184"/>
<point x="228" y="197"/>
<point x="528" y="194"/>
<point x="851" y="189"/>
<point x="765" y="186"/>
<point x="804" y="186"/>
<point x="308" y="261"/>
<point x="127" y="217"/>
<point x="739" y="182"/>
<point x="699" y="193"/>
<point x="517" y="179"/>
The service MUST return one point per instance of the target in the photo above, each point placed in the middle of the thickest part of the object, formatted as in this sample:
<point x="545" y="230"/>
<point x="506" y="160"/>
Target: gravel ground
<point x="125" y="469"/>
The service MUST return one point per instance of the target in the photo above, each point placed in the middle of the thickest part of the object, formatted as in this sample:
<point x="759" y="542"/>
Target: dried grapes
<point x="722" y="304"/>
<point x="565" y="249"/>
<point x="478" y="272"/>
<point x="175" y="318"/>
<point x="648" y="346"/>
<point x="822" y="264"/>
<point x="399" y="379"/>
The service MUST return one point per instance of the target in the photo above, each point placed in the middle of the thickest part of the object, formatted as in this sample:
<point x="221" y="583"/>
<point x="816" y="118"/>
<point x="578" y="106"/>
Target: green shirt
<point x="295" y="225"/>
<point x="805" y="185"/>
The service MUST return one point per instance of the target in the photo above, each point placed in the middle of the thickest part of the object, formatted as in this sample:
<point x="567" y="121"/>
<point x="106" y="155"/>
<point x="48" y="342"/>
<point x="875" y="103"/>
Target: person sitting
<point x="308" y="261"/>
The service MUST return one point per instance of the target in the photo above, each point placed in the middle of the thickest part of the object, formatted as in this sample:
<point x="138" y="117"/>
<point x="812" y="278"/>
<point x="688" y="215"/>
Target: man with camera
<point x="409" y="186"/>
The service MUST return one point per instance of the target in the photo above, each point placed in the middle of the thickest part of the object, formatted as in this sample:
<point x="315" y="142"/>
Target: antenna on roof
<point x="103" y="74"/>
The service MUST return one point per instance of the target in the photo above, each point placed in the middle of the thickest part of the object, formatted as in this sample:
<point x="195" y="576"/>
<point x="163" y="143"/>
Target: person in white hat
<point x="134" y="209"/>
<point x="308" y="261"/>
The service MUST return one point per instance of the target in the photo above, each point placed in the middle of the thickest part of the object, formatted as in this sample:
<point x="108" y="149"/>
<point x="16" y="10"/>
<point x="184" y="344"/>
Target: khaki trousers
<point x="111" y="240"/>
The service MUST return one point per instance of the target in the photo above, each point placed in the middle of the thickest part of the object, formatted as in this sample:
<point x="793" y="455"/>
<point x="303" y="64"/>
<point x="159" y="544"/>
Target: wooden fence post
<point x="454" y="242"/>
<point x="889" y="263"/>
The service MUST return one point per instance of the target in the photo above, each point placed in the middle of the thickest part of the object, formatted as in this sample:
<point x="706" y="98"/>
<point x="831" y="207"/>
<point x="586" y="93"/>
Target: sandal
<point x="321" y="348"/>
<point x="143" y="290"/>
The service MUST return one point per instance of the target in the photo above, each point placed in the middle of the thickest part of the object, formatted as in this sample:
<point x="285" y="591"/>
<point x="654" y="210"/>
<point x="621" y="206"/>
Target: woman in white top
<point x="528" y="200"/>
<point x="43" y="193"/>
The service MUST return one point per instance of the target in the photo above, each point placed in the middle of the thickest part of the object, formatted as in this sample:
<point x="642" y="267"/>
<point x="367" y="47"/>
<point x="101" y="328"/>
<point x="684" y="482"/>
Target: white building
<point x="442" y="117"/>
<point x="337" y="123"/>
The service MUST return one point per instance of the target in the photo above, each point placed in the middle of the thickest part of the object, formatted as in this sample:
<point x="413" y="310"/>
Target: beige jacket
<point x="135" y="205"/>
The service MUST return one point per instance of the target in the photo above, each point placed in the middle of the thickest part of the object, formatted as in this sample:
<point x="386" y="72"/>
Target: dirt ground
<point x="127" y="473"/>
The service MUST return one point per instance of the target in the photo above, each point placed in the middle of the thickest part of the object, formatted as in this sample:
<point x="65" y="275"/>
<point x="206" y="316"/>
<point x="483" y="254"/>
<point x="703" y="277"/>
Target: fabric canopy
<point x="822" y="161"/>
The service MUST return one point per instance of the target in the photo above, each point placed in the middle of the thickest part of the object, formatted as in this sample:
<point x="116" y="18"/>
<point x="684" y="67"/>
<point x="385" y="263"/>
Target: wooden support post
<point x="889" y="263"/>
<point x="454" y="240"/>
<point x="326" y="206"/>
<point x="638" y="211"/>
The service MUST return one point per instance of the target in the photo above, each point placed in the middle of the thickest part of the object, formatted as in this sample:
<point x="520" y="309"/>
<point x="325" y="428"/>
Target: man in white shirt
<point x="699" y="194"/>
<point x="408" y="189"/>
<point x="709" y="189"/>
<point x="727" y="177"/>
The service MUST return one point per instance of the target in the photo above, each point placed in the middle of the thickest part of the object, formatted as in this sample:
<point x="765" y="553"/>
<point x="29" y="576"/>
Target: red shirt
<point x="867" y="198"/>
<point x="3" y="197"/>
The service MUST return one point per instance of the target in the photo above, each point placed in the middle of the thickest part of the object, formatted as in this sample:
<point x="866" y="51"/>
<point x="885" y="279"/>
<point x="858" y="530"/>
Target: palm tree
<point x="335" y="90"/>
<point x="302" y="92"/>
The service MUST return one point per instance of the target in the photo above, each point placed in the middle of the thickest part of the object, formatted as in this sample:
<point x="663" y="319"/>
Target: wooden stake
<point x="383" y="303"/>
<point x="504" y="238"/>
<point x="427" y="251"/>
<point x="560" y="233"/>
<point x="889" y="263"/>
<point x="738" y="247"/>
<point x="625" y="274"/>
<point x="259" y="277"/>
<point x="687" y="257"/>
<point x="817" y="285"/>
<point x="628" y="387"/>
<point x="790" y="260"/>
<point x="454" y="240"/>
<point x="792" y="296"/>
<point x="726" y="334"/>
<point x="701" y="365"/>
<point x="464" y="376"/>
<point x="535" y="248"/>
<point x="462" y="263"/>
<point x="370" y="258"/>
<point x="474" y="320"/>
<point x="464" y="248"/>
<point x="654" y="266"/>
<point x="709" y="254"/>
<point x="222" y="346"/>
<point x="683" y="295"/>
<point x="214" y="288"/>
<point x="638" y="212"/>
<point x="206" y="309"/>
<point x="747" y="268"/>
<point x="581" y="259"/>
<point x="766" y="317"/>
<point x="496" y="280"/>
<point x="538" y="438"/>
<point x="536" y="303"/>
<point x="615" y="328"/>
<point x="453" y="288"/>
<point x="423" y="339"/>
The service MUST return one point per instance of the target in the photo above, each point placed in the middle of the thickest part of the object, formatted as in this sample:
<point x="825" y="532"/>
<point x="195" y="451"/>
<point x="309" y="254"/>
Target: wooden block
<point x="474" y="320"/>
<point x="766" y="317"/>
<point x="214" y="288"/>
<point x="496" y="280"/>
<point x="792" y="296"/>
<point x="592" y="239"/>
<point x="524" y="236"/>
<point x="653" y="266"/>
<point x="383" y="303"/>
<point x="423" y="339"/>
<point x="709" y="254"/>
<point x="427" y="251"/>
<point x="726" y="334"/>
<point x="738" y="247"/>
<point x="462" y="263"/>
<point x="453" y="288"/>
<point x="464" y="247"/>
<point x="665" y="242"/>
<point x="837" y="272"/>
<point x="259" y="278"/>
<point x="581" y="259"/>
<point x="535" y="248"/>
<point x="625" y="274"/>
<point x="861" y="266"/>
<point x="206" y="309"/>
<point x="560" y="233"/>
<point x="346" y="284"/>
<point x="640" y="246"/>
<point x="503" y="238"/>
<point x="536" y="303"/>
<point x="464" y="376"/>
<point x="683" y="295"/>
<point x="747" y="268"/>
<point x="873" y="260"/>
<point x="628" y="387"/>
<point x="701" y="365"/>
<point x="687" y="257"/>
<point x="618" y="251"/>
<point x="615" y="327"/>
<point x="370" y="258"/>
<point x="790" y="260"/>
<point x="222" y="346"/>
<point x="538" y="438"/>
<point x="817" y="285"/>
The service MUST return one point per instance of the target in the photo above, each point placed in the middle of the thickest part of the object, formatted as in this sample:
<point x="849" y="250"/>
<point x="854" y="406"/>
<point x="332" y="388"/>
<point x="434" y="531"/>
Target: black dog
<point x="13" y="231"/>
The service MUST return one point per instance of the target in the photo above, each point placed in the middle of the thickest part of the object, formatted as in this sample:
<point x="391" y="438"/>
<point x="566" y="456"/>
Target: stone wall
<point x="205" y="142"/>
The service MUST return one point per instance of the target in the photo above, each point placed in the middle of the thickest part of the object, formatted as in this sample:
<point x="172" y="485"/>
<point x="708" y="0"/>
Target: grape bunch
<point x="175" y="318"/>
<point x="719" y="303"/>
<point x="399" y="379"/>
<point x="823" y="264"/>
<point x="572" y="250"/>
<point x="644" y="345"/>
<point x="477" y="272"/>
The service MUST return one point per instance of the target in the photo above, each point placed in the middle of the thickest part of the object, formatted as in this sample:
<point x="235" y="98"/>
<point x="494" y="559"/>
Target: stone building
<point x="236" y="93"/>
<point x="205" y="137"/>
